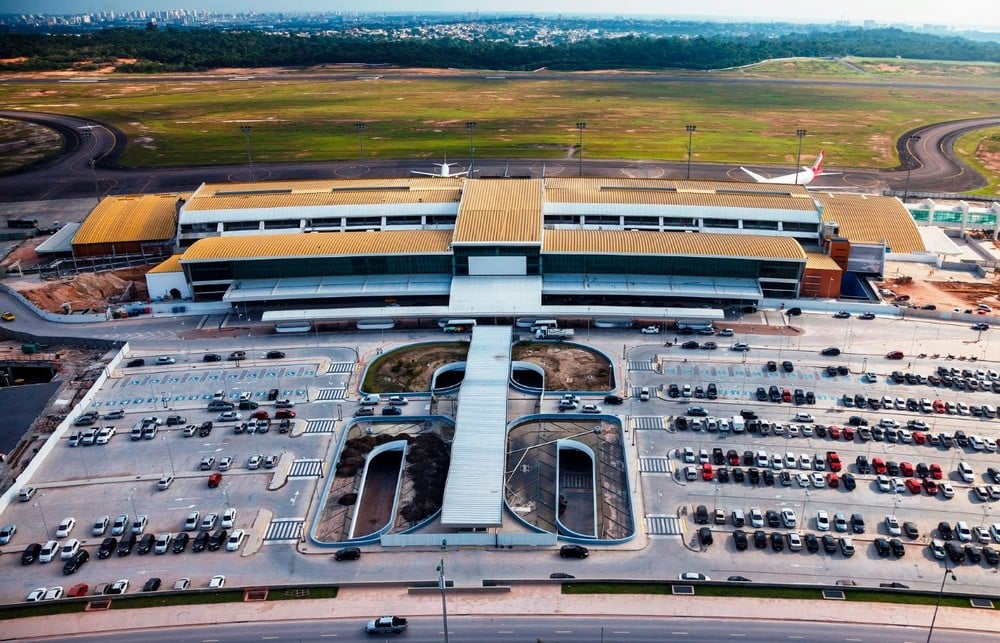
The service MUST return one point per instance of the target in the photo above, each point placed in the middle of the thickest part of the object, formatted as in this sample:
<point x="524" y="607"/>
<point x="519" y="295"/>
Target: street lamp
<point x="472" y="146"/>
<point x="359" y="128"/>
<point x="690" y="130"/>
<point x="912" y="138"/>
<point x="88" y="135"/>
<point x="798" y="159"/>
<point x="580" y="125"/>
<point x="947" y="571"/>
<point x="247" y="131"/>
<point x="441" y="584"/>
<point x="38" y="504"/>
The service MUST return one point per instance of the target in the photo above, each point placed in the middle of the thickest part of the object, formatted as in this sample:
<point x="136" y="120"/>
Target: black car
<point x="138" y="361"/>
<point x="831" y="371"/>
<point x="772" y="366"/>
<point x="739" y="475"/>
<point x="126" y="544"/>
<point x="151" y="585"/>
<point x="759" y="539"/>
<point x="740" y="540"/>
<point x="204" y="429"/>
<point x="777" y="541"/>
<point x="391" y="410"/>
<point x="768" y="478"/>
<point x="705" y="536"/>
<point x="761" y="394"/>
<point x="180" y="542"/>
<point x="812" y="543"/>
<point x="275" y="355"/>
<point x="849" y="481"/>
<point x="108" y="547"/>
<point x="145" y="544"/>
<point x="754" y="474"/>
<point x="881" y="547"/>
<point x="829" y="544"/>
<point x="216" y="540"/>
<point x="911" y="531"/>
<point x="945" y="531"/>
<point x="247" y="405"/>
<point x="722" y="474"/>
<point x="701" y="515"/>
<point x="78" y="560"/>
<point x="894" y="585"/>
<point x="955" y="552"/>
<point x="614" y="399"/>
<point x="561" y="576"/>
<point x="362" y="411"/>
<point x="898" y="550"/>
<point x="787" y="366"/>
<point x="863" y="465"/>
<point x="991" y="555"/>
<point x="272" y="394"/>
<point x="831" y="351"/>
<point x="773" y="520"/>
<point x="352" y="553"/>
<point x="211" y="357"/>
<point x="286" y="425"/>
<point x="690" y="344"/>
<point x="200" y="542"/>
<point x="30" y="554"/>
<point x="974" y="554"/>
<point x="573" y="551"/>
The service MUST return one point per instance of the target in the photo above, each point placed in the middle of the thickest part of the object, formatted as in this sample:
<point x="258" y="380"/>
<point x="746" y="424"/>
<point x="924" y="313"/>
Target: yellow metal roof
<point x="820" y="261"/>
<point x="137" y="217"/>
<point x="286" y="194"/>
<point x="173" y="264"/>
<point x="671" y="243"/>
<point x="872" y="219"/>
<point x="688" y="193"/>
<point x="319" y="244"/>
<point x="500" y="211"/>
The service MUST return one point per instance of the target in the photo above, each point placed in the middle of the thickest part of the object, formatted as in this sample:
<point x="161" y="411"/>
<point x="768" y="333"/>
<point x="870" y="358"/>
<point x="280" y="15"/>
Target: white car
<point x="120" y="524"/>
<point x="208" y="522"/>
<point x="817" y="479"/>
<point x="164" y="482"/>
<point x="802" y="479"/>
<point x="591" y="408"/>
<point x="49" y="551"/>
<point x="162" y="543"/>
<point x="794" y="541"/>
<point x="225" y="463"/>
<point x="883" y="483"/>
<point x="962" y="531"/>
<point x="692" y="576"/>
<point x="139" y="524"/>
<point x="182" y="583"/>
<point x="726" y="332"/>
<point x="65" y="527"/>
<point x="981" y="534"/>
<point x="995" y="531"/>
<point x="235" y="540"/>
<point x="947" y="491"/>
<point x="230" y="416"/>
<point x="120" y="586"/>
<point x="254" y="461"/>
<point x="69" y="548"/>
<point x="964" y="472"/>
<point x="53" y="593"/>
<point x="789" y="460"/>
<point x="228" y="518"/>
<point x="191" y="523"/>
<point x="756" y="518"/>
<point x="217" y="582"/>
<point x="104" y="435"/>
<point x="740" y="346"/>
<point x="6" y="533"/>
<point x="100" y="526"/>
<point x="394" y="400"/>
<point x="822" y="520"/>
<point x="788" y="518"/>
<point x="803" y="417"/>
<point x="688" y="455"/>
<point x="650" y="330"/>
<point x="36" y="594"/>
<point x="892" y="526"/>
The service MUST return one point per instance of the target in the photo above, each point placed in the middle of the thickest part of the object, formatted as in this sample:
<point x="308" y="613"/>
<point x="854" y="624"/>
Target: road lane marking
<point x="505" y="631"/>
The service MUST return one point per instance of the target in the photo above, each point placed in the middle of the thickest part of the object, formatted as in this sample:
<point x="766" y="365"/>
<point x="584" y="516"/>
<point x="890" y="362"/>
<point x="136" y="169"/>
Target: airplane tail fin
<point x="817" y="167"/>
<point x="754" y="175"/>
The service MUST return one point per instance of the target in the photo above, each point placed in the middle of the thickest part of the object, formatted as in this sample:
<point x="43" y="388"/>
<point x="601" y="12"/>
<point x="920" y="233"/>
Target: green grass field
<point x="177" y="123"/>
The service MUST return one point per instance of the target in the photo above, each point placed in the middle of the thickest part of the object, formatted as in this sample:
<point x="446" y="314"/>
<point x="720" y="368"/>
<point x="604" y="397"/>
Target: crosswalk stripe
<point x="278" y="530"/>
<point x="340" y="367"/>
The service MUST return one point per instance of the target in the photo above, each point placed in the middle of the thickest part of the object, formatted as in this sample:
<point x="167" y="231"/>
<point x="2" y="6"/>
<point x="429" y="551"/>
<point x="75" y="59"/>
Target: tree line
<point x="190" y="50"/>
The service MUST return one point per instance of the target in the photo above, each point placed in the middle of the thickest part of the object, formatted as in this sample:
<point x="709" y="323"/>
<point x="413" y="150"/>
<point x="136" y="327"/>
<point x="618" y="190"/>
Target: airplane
<point x="445" y="171"/>
<point x="804" y="177"/>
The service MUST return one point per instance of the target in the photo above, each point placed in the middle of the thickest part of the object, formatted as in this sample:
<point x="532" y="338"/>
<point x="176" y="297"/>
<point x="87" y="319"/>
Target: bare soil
<point x="410" y="369"/>
<point x="87" y="291"/>
<point x="567" y="367"/>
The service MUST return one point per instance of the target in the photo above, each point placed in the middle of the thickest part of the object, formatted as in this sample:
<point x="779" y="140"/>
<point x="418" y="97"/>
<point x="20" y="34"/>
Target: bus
<point x="293" y="327"/>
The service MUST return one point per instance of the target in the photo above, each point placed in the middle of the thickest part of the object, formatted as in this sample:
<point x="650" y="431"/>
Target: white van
<point x="371" y="399"/>
<point x="644" y="394"/>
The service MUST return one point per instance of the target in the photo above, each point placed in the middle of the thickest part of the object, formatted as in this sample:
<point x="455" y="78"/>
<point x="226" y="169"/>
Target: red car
<point x="833" y="459"/>
<point x="849" y="433"/>
<point x="939" y="406"/>
<point x="80" y="589"/>
<point x="930" y="487"/>
<point x="260" y="415"/>
<point x="936" y="471"/>
<point x="285" y="414"/>
<point x="214" y="480"/>
<point x="834" y="432"/>
<point x="706" y="472"/>
<point x="894" y="355"/>
<point x="919" y="437"/>
<point x="832" y="480"/>
<point x="879" y="465"/>
<point x="906" y="468"/>
<point x="912" y="485"/>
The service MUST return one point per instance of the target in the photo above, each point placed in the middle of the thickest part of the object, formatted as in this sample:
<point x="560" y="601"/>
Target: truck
<point x="553" y="333"/>
<point x="386" y="625"/>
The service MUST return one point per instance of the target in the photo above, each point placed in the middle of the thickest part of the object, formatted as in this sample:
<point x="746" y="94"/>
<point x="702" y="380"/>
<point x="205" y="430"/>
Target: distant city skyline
<point x="971" y="14"/>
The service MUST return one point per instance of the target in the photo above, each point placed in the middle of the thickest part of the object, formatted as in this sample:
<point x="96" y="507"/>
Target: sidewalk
<point x="361" y="603"/>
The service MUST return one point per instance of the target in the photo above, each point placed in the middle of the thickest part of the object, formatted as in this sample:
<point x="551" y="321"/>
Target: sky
<point x="963" y="13"/>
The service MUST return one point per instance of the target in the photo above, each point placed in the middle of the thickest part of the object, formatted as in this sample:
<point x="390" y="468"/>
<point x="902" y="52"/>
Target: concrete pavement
<point x="363" y="602"/>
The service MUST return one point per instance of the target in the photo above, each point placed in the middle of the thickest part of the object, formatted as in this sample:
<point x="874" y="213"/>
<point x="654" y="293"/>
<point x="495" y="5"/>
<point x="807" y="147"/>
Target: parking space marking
<point x="655" y="465"/>
<point x="340" y="367"/>
<point x="306" y="469"/>
<point x="325" y="394"/>
<point x="661" y="525"/>
<point x="635" y="365"/>
<point x="284" y="530"/>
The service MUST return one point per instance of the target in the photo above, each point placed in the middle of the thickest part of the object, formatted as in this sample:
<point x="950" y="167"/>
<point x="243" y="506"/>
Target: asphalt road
<point x="88" y="165"/>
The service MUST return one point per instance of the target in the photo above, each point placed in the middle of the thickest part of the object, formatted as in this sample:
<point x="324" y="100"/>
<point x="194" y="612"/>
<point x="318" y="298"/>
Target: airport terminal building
<point x="419" y="247"/>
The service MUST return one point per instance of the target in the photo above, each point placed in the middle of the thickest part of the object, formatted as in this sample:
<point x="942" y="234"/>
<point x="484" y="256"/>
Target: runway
<point x="88" y="166"/>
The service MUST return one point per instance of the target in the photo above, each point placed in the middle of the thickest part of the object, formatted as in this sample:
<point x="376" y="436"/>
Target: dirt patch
<point x="410" y="369"/>
<point x="567" y="367"/>
<point x="89" y="291"/>
<point x="919" y="285"/>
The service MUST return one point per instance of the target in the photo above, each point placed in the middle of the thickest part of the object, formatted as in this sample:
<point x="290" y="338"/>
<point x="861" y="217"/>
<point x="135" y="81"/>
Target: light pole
<point x="690" y="130"/>
<point x="441" y="584"/>
<point x="170" y="455"/>
<point x="947" y="571"/>
<point x="912" y="138"/>
<point x="135" y="512"/>
<point x="359" y="128"/>
<point x="472" y="146"/>
<point x="247" y="131"/>
<point x="798" y="159"/>
<point x="580" y="125"/>
<point x="38" y="504"/>
<point x="88" y="135"/>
